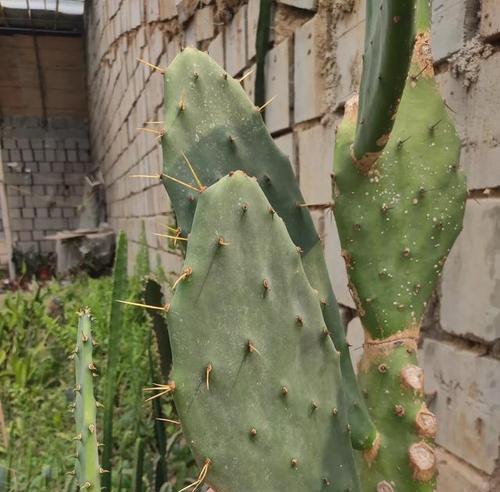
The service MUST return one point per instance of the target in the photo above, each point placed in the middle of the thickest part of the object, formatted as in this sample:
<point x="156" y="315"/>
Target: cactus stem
<point x="162" y="389"/>
<point x="150" y="65"/>
<point x="208" y="371"/>
<point x="241" y="79"/>
<point x="201" y="477"/>
<point x="165" y="308"/>
<point x="170" y="421"/>
<point x="184" y="275"/>
<point x="195" y="176"/>
<point x="266" y="104"/>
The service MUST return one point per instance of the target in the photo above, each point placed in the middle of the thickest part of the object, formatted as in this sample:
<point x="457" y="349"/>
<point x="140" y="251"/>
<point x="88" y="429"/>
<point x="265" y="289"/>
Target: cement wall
<point x="313" y="67"/>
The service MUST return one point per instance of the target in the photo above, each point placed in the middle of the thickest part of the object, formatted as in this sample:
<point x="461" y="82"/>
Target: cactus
<point x="211" y="129"/>
<point x="120" y="289"/>
<point x="88" y="472"/>
<point x="257" y="383"/>
<point x="398" y="217"/>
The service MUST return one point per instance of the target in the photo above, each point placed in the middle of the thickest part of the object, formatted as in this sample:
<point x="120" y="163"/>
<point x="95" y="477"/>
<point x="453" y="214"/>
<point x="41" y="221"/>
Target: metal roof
<point x="63" y="16"/>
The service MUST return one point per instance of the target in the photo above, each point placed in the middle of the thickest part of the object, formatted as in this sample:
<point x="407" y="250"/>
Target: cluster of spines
<point x="87" y="469"/>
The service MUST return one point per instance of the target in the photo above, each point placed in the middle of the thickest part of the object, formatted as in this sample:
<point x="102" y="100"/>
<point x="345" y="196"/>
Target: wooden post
<point x="6" y="220"/>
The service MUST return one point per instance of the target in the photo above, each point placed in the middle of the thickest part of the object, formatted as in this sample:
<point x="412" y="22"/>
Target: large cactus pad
<point x="257" y="378"/>
<point x="211" y="125"/>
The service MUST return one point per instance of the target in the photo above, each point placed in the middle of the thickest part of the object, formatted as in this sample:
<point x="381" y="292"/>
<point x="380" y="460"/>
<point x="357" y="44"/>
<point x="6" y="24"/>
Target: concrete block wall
<point x="313" y="66"/>
<point x="44" y="168"/>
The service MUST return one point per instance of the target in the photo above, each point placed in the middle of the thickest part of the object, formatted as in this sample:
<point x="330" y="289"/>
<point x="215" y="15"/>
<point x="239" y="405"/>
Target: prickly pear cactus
<point x="212" y="128"/>
<point x="256" y="377"/>
<point x="88" y="472"/>
<point x="398" y="219"/>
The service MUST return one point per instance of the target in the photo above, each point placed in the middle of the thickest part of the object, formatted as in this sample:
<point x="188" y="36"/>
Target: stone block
<point x="335" y="263"/>
<point x="301" y="4"/>
<point x="470" y="301"/>
<point x="253" y="10"/>
<point x="152" y="10"/>
<point x="287" y="145"/>
<point x="50" y="224"/>
<point x="190" y="35"/>
<point x="168" y="9"/>
<point x="490" y="19"/>
<point x="316" y="161"/>
<point x="466" y="401"/>
<point x="21" y="224"/>
<point x="355" y="338"/>
<point x="204" y="21"/>
<point x="308" y="81"/>
<point x="452" y="24"/>
<point x="482" y="158"/>
<point x="216" y="48"/>
<point x="186" y="9"/>
<point x="27" y="155"/>
<point x="277" y="114"/>
<point x="457" y="476"/>
<point x="235" y="38"/>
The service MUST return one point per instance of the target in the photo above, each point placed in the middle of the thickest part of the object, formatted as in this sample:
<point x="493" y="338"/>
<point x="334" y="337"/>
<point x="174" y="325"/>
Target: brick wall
<point x="313" y="67"/>
<point x="44" y="169"/>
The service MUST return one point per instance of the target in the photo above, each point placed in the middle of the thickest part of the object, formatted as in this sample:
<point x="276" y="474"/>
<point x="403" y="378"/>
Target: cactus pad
<point x="257" y="378"/>
<point x="211" y="125"/>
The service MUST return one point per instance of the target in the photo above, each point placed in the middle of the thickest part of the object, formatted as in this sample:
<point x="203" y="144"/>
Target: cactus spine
<point x="88" y="471"/>
<point x="399" y="209"/>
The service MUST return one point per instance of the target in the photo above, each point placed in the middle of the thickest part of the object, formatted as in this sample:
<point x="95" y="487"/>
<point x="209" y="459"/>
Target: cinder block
<point x="168" y="9"/>
<point x="490" y="19"/>
<point x="308" y="80"/>
<point x="216" y="48"/>
<point x="21" y="224"/>
<point x="452" y="24"/>
<point x="277" y="114"/>
<point x="50" y="224"/>
<point x="27" y="155"/>
<point x="204" y="21"/>
<point x="235" y="38"/>
<point x="253" y="10"/>
<point x="316" y="158"/>
<point x="457" y="476"/>
<point x="471" y="275"/>
<point x="466" y="401"/>
<point x="152" y="10"/>
<point x="28" y="213"/>
<point x="287" y="145"/>
<point x="301" y="4"/>
<point x="190" y="35"/>
<point x="186" y="9"/>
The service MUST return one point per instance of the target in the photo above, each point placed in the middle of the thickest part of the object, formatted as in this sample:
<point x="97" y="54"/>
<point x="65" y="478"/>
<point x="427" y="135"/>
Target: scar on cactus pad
<point x="398" y="218"/>
<point x="257" y="384"/>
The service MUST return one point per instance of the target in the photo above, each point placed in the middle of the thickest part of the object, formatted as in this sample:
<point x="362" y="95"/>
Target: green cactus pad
<point x="397" y="224"/>
<point x="389" y="37"/>
<point x="210" y="120"/>
<point x="257" y="378"/>
<point x="88" y="472"/>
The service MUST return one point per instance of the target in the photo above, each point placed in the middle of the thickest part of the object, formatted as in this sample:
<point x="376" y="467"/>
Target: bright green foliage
<point x="397" y="222"/>
<point x="88" y="472"/>
<point x="257" y="382"/>
<point x="119" y="292"/>
<point x="389" y="40"/>
<point x="210" y="120"/>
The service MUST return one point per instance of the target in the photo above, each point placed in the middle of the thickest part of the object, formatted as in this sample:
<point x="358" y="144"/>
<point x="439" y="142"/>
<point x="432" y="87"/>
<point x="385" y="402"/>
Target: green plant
<point x="399" y="207"/>
<point x="120" y="291"/>
<point x="257" y="384"/>
<point x="199" y="154"/>
<point x="88" y="471"/>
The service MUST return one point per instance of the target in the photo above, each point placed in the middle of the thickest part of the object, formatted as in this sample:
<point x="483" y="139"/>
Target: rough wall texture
<point x="313" y="67"/>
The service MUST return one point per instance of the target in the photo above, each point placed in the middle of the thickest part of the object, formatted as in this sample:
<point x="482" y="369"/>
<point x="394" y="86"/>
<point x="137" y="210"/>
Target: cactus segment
<point x="397" y="224"/>
<point x="88" y="472"/>
<point x="120" y="291"/>
<point x="257" y="378"/>
<point x="211" y="123"/>
<point x="389" y="37"/>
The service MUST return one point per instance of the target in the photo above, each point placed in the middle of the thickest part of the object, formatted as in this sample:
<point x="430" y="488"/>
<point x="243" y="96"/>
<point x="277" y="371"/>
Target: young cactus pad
<point x="87" y="466"/>
<point x="211" y="129"/>
<point x="257" y="378"/>
<point x="397" y="223"/>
